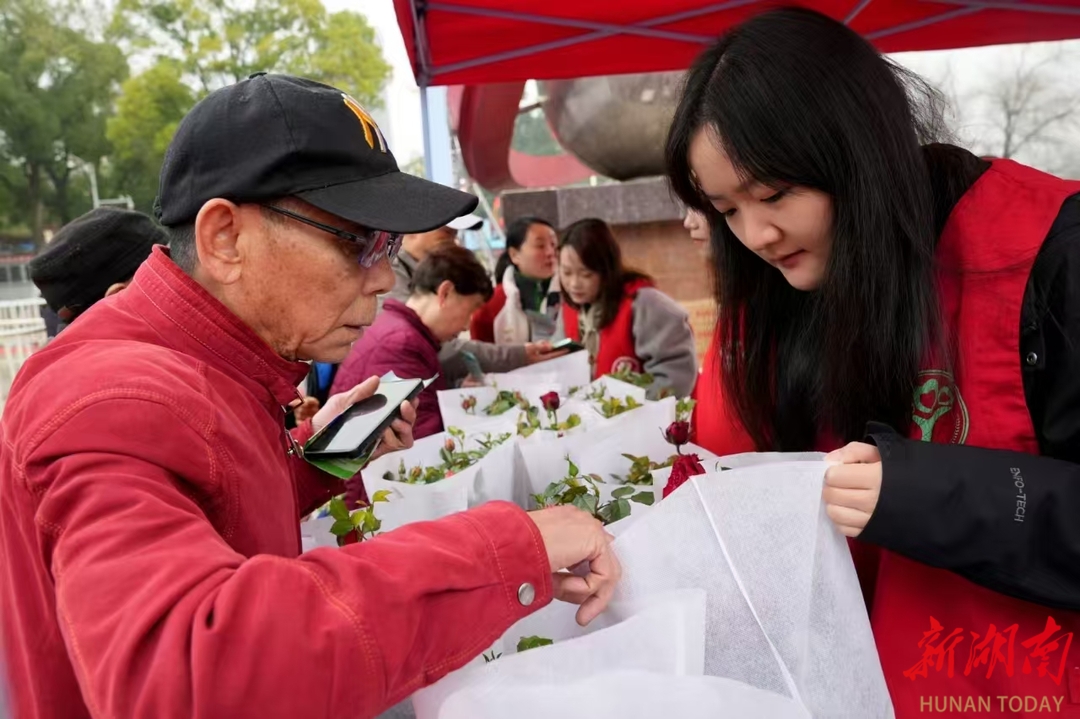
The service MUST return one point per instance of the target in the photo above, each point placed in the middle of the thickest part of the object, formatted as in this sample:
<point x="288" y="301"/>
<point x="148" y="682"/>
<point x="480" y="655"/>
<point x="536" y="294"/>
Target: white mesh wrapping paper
<point x="661" y="634"/>
<point x="785" y="610"/>
<point x="599" y="450"/>
<point x="490" y="478"/>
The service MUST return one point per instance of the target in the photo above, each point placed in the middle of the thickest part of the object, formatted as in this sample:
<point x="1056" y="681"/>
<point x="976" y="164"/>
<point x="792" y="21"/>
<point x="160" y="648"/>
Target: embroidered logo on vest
<point x="625" y="364"/>
<point x="939" y="411"/>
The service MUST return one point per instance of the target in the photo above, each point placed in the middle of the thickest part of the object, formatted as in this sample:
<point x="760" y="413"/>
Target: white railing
<point x="22" y="332"/>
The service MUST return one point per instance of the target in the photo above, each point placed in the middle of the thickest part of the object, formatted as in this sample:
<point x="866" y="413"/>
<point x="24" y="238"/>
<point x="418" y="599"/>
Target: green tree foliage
<point x="67" y="102"/>
<point x="57" y="87"/>
<point x="202" y="45"/>
<point x="150" y="107"/>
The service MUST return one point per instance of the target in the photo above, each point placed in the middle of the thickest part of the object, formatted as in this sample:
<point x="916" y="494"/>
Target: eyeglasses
<point x="373" y="244"/>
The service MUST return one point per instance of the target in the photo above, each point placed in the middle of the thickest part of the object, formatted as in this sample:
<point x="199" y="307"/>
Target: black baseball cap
<point x="272" y="136"/>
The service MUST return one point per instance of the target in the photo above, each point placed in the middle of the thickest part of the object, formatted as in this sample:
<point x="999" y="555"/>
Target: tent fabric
<point x="467" y="42"/>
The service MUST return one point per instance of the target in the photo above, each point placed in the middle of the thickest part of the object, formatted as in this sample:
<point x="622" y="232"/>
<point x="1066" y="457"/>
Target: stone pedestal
<point x="647" y="221"/>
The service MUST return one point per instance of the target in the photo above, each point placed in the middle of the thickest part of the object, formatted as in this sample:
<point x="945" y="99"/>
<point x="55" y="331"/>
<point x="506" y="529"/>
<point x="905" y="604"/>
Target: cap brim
<point x="395" y="202"/>
<point x="466" y="222"/>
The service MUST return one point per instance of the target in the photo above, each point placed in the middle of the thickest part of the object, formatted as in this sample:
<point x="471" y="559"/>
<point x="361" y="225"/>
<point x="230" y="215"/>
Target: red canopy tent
<point x="469" y="42"/>
<point x="478" y="42"/>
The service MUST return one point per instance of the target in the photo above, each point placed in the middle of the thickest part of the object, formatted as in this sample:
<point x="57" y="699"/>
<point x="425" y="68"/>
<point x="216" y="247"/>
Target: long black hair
<point x="794" y="98"/>
<point x="516" y="234"/>
<point x="596" y="246"/>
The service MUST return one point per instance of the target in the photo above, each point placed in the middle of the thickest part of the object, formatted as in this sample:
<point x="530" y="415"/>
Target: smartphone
<point x="567" y="344"/>
<point x="472" y="364"/>
<point x="356" y="432"/>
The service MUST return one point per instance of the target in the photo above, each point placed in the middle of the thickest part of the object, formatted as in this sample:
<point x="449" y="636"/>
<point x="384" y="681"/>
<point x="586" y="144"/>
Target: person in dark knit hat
<point x="93" y="257"/>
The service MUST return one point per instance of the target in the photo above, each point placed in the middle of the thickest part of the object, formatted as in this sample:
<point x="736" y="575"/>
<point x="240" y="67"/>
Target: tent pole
<point x="438" y="165"/>
<point x="426" y="120"/>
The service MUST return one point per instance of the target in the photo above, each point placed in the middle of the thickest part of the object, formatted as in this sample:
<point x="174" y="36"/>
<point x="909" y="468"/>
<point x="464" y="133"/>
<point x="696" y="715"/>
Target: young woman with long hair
<point x="915" y="309"/>
<point x="624" y="322"/>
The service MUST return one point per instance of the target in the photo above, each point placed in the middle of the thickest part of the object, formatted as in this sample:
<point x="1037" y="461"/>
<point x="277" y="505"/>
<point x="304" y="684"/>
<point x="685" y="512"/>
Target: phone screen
<point x="357" y="424"/>
<point x="567" y="344"/>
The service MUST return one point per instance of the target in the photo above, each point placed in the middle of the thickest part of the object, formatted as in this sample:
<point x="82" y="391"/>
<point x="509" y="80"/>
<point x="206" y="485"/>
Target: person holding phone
<point x="447" y="287"/>
<point x="914" y="308"/>
<point x="150" y="558"/>
<point x="622" y="320"/>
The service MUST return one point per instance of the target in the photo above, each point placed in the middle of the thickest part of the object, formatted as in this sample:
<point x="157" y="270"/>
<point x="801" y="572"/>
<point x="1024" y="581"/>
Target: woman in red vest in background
<point x="624" y="322"/>
<point x="525" y="305"/>
<point x="922" y="305"/>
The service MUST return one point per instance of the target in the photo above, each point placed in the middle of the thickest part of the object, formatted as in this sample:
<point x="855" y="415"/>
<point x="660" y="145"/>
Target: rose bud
<point x="449" y="444"/>
<point x="550" y="401"/>
<point x="678" y="433"/>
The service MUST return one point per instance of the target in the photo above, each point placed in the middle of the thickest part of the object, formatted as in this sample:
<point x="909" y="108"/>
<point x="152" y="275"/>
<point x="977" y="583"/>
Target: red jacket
<point x="149" y="536"/>
<point x="715" y="425"/>
<point x="617" y="347"/>
<point x="482" y="323"/>
<point x="398" y="342"/>
<point x="944" y="636"/>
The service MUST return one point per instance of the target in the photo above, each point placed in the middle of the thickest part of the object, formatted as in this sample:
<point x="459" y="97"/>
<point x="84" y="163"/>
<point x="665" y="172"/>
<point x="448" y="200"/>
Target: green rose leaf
<point x="526" y="643"/>
<point x="341" y="527"/>
<point x="338" y="510"/>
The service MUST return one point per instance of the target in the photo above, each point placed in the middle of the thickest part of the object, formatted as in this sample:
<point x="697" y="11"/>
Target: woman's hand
<point x="852" y="486"/>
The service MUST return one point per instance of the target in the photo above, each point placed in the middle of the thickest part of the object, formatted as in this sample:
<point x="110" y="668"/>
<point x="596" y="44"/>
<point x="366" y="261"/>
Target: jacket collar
<point x="408" y="315"/>
<point x="197" y="324"/>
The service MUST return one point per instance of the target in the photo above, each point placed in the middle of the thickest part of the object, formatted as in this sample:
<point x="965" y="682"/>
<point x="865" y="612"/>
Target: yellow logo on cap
<point x="371" y="130"/>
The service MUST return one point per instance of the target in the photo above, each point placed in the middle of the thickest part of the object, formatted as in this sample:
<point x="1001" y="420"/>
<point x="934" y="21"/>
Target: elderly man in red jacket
<point x="150" y="495"/>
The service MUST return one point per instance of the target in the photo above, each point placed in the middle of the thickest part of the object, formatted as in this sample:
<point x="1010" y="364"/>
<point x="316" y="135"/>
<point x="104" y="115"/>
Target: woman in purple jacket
<point x="447" y="287"/>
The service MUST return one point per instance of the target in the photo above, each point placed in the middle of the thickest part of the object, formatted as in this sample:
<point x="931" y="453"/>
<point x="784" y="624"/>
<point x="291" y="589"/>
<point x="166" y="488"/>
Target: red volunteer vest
<point x="950" y="647"/>
<point x="1010" y="657"/>
<point x="616" y="350"/>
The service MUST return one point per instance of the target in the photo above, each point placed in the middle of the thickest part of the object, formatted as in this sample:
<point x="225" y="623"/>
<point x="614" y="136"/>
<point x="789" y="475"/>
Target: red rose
<point x="550" y="401"/>
<point x="449" y="445"/>
<point x="685" y="467"/>
<point x="678" y="433"/>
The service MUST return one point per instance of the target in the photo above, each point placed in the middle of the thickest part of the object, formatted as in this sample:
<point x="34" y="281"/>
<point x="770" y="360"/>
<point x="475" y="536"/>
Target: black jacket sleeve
<point x="1006" y="520"/>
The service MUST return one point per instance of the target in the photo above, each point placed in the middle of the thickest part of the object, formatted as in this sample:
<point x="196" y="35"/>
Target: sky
<point x="965" y="74"/>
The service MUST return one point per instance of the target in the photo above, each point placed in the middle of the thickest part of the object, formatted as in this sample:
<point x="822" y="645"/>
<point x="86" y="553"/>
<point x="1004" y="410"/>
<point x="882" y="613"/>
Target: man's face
<point x="303" y="289"/>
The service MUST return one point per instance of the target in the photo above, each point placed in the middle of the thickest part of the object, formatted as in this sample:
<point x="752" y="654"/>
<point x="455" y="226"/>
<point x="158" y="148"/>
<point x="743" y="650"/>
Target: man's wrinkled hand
<point x="398" y="435"/>
<point x="573" y="537"/>
<point x="852" y="486"/>
<point x="541" y="352"/>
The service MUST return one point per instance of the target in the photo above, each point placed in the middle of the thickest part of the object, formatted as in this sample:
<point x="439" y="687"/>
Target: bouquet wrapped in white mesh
<point x="783" y="632"/>
<point x="440" y="475"/>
